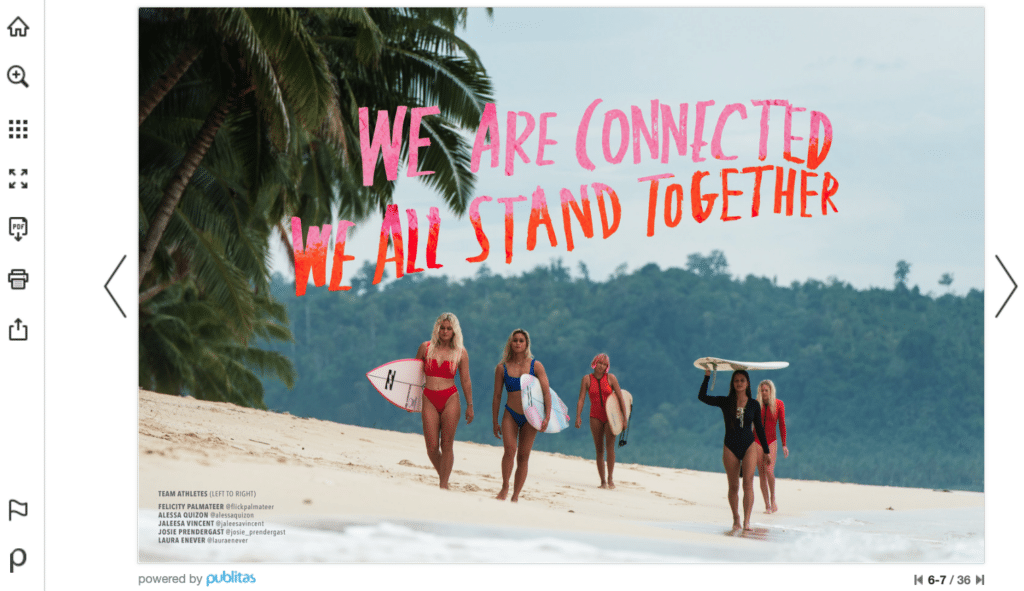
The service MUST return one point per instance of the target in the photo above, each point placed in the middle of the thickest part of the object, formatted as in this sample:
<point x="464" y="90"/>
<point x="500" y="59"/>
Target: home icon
<point x="18" y="28"/>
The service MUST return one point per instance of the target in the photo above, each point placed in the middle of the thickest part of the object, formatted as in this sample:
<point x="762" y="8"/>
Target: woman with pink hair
<point x="600" y="385"/>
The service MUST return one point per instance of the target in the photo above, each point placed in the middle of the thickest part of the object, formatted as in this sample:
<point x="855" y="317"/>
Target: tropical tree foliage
<point x="884" y="387"/>
<point x="249" y="116"/>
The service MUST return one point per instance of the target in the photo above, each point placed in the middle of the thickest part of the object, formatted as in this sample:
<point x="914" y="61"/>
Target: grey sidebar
<point x="21" y="296"/>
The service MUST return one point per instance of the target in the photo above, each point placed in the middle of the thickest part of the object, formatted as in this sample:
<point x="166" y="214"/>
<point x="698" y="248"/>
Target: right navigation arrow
<point x="1011" y="281"/>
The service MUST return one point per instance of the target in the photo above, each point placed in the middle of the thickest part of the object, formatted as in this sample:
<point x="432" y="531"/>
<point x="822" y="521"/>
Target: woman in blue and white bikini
<point x="514" y="431"/>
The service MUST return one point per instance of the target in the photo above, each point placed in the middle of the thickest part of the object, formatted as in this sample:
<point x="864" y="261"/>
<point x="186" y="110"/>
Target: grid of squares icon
<point x="17" y="129"/>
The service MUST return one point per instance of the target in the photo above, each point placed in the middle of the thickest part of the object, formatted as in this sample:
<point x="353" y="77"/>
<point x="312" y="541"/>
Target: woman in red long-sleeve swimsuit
<point x="773" y="412"/>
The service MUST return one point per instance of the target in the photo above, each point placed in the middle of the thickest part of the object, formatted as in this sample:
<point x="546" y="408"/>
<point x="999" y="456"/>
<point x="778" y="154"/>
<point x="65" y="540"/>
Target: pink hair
<point x="601" y="357"/>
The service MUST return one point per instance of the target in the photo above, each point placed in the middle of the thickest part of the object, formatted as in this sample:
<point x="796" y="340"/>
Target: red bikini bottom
<point x="439" y="397"/>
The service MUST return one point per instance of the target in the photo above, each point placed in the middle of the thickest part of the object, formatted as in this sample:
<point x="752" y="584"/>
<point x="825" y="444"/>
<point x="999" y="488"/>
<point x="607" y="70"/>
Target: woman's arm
<point x="496" y="403"/>
<point x="614" y="383"/>
<point x="467" y="384"/>
<point x="780" y="410"/>
<point x="702" y="395"/>
<point x="579" y="403"/>
<point x="421" y="351"/>
<point x="542" y="377"/>
<point x="759" y="430"/>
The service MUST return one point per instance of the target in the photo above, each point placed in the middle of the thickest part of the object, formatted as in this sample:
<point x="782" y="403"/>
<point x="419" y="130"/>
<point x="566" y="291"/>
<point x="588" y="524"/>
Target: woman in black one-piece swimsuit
<point x="739" y="454"/>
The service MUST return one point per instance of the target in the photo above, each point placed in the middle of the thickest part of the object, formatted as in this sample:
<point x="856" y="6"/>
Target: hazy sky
<point x="903" y="90"/>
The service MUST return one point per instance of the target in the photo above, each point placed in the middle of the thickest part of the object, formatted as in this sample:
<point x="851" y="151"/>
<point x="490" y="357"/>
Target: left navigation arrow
<point x="108" y="289"/>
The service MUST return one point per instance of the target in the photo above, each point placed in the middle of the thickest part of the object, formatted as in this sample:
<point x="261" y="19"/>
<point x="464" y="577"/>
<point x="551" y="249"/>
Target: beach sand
<point x="320" y="475"/>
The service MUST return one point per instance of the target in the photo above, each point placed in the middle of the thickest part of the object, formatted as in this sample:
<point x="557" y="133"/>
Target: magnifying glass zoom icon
<point x="16" y="75"/>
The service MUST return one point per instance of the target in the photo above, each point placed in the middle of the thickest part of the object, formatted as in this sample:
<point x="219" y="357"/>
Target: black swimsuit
<point x="739" y="438"/>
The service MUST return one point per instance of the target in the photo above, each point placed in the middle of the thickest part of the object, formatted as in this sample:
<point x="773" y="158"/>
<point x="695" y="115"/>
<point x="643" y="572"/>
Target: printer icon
<point x="17" y="278"/>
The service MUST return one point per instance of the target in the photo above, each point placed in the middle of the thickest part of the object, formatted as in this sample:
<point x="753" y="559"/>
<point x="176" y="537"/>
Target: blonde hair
<point x="436" y="347"/>
<point x="769" y="401"/>
<point x="506" y="355"/>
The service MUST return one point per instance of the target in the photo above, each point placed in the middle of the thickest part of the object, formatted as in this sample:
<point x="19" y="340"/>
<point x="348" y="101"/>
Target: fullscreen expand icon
<point x="13" y="182"/>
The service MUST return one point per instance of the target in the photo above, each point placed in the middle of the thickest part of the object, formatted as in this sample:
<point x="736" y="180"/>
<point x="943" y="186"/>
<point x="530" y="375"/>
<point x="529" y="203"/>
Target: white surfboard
<point x="533" y="405"/>
<point x="400" y="382"/>
<point x="611" y="408"/>
<point x="719" y="364"/>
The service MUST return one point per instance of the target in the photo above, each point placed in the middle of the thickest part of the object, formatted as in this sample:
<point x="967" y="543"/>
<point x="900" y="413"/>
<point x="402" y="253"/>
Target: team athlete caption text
<point x="210" y="523"/>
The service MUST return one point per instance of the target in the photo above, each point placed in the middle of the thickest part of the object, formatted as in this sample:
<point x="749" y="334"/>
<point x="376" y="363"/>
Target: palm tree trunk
<point x="182" y="176"/>
<point x="167" y="80"/>
<point x="156" y="289"/>
<point x="286" y="240"/>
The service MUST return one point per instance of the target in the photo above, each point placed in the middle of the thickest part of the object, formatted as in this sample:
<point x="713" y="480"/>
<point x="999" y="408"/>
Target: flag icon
<point x="14" y="507"/>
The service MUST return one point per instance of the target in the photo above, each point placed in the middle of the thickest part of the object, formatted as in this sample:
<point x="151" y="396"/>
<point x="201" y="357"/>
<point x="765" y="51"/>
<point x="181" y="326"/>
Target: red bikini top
<point x="438" y="370"/>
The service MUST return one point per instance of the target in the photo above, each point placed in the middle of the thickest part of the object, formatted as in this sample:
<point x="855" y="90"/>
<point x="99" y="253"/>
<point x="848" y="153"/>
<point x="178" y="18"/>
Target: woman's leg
<point x="732" y="474"/>
<point x="762" y="476"/>
<point x="449" y="423"/>
<point x="609" y="446"/>
<point x="509" y="436"/>
<point x="431" y="433"/>
<point x="597" y="430"/>
<point x="749" y="463"/>
<point x="526" y="436"/>
<point x="773" y="447"/>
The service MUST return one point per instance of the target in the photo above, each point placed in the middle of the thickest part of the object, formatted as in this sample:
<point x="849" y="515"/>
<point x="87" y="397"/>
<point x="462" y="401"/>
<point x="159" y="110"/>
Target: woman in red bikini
<point x="773" y="412"/>
<point x="515" y="432"/>
<point x="442" y="356"/>
<point x="600" y="385"/>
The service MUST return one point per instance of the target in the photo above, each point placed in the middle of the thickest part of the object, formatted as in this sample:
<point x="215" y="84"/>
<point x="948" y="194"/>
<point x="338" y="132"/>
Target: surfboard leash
<point x="625" y="432"/>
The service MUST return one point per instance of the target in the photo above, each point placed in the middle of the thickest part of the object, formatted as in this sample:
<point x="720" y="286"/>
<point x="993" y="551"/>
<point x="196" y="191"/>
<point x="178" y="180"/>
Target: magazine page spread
<point x="413" y="295"/>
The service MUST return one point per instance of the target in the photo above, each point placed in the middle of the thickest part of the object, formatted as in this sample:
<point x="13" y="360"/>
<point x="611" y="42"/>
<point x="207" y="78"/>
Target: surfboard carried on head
<point x="533" y="405"/>
<point x="400" y="382"/>
<point x="719" y="364"/>
<point x="716" y="364"/>
<point x="611" y="408"/>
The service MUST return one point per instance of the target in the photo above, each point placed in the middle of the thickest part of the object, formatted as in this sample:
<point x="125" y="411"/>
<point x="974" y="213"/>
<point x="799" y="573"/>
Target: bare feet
<point x="775" y="508"/>
<point x="515" y="498"/>
<point x="746" y="527"/>
<point x="603" y="485"/>
<point x="736" y="526"/>
<point x="444" y="486"/>
<point x="503" y="493"/>
<point x="610" y="483"/>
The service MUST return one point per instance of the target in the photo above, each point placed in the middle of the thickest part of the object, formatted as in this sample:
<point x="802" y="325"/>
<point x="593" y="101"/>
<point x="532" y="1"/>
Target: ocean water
<point x="924" y="536"/>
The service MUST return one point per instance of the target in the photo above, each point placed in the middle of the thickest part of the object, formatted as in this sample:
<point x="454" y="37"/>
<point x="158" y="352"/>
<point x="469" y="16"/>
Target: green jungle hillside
<point x="885" y="386"/>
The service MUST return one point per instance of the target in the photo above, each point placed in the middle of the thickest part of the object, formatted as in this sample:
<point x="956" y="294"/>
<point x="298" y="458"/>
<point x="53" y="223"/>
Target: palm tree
<point x="251" y="123"/>
<point x="266" y="52"/>
<point x="412" y="58"/>
<point x="186" y="346"/>
<point x="421" y="62"/>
